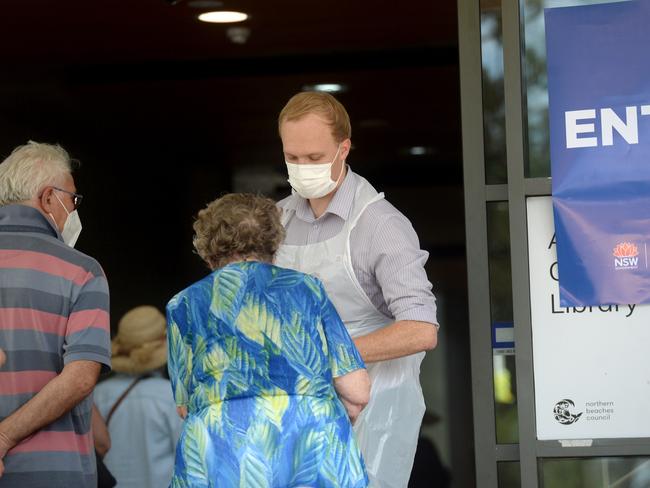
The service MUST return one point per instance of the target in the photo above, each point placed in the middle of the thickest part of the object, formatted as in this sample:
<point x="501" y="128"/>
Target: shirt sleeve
<point x="399" y="270"/>
<point x="87" y="336"/>
<point x="343" y="354"/>
<point x="179" y="353"/>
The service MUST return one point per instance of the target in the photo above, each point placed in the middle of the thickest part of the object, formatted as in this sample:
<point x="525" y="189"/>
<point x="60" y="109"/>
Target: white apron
<point x="387" y="429"/>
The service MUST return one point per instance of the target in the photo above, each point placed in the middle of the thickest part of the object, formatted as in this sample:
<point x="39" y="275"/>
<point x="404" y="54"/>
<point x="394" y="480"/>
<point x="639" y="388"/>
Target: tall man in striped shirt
<point x="369" y="259"/>
<point x="54" y="325"/>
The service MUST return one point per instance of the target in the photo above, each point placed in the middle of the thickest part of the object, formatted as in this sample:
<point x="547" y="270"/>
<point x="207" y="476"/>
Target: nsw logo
<point x="626" y="256"/>
<point x="562" y="412"/>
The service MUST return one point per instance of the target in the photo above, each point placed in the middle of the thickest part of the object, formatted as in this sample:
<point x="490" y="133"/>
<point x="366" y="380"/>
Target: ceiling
<point x="155" y="67"/>
<point x="79" y="31"/>
<point x="166" y="112"/>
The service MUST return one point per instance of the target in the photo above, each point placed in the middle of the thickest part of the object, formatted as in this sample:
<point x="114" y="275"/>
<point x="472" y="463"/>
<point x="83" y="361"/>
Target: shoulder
<point x="61" y="252"/>
<point x="159" y="388"/>
<point x="287" y="275"/>
<point x="296" y="279"/>
<point x="107" y="389"/>
<point x="89" y="263"/>
<point x="289" y="202"/>
<point x="284" y="202"/>
<point x="197" y="289"/>
<point x="378" y="214"/>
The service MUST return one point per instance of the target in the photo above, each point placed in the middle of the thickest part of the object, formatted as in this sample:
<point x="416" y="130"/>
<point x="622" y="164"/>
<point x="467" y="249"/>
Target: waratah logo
<point x="626" y="255"/>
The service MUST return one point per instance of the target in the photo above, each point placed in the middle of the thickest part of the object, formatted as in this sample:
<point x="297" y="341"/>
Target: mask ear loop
<point x="50" y="213"/>
<point x="57" y="197"/>
<point x="53" y="219"/>
<point x="342" y="165"/>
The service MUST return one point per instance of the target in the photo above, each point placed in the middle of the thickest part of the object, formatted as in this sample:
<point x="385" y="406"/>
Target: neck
<point x="241" y="259"/>
<point x="319" y="205"/>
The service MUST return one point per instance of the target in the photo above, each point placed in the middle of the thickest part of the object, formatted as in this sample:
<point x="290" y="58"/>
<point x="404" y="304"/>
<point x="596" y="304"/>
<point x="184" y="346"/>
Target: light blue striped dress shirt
<point x="386" y="255"/>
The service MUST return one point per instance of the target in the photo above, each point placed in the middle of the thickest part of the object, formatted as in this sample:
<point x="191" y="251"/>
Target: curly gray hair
<point x="238" y="226"/>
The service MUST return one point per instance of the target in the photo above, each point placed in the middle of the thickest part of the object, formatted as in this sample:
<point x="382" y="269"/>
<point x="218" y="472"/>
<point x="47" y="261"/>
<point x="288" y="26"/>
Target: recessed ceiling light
<point x="325" y="87"/>
<point x="420" y="150"/>
<point x="223" y="17"/>
<point x="417" y="150"/>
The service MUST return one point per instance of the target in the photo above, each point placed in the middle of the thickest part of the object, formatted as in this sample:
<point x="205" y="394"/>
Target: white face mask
<point x="72" y="226"/>
<point x="313" y="180"/>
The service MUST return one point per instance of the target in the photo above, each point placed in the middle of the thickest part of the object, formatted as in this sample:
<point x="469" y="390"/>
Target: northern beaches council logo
<point x="562" y="412"/>
<point x="626" y="256"/>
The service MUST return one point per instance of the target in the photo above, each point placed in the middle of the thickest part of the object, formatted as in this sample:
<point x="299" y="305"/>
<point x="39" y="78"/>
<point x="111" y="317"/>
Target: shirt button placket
<point x="314" y="232"/>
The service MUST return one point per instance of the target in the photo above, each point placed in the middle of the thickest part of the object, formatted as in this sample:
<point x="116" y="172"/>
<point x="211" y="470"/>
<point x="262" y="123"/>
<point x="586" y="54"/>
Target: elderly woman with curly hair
<point x="262" y="368"/>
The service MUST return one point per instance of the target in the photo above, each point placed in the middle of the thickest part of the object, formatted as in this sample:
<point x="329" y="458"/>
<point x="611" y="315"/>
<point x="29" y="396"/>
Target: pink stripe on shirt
<point x="28" y="318"/>
<point x="46" y="440"/>
<point x="45" y="263"/>
<point x="88" y="318"/>
<point x="18" y="382"/>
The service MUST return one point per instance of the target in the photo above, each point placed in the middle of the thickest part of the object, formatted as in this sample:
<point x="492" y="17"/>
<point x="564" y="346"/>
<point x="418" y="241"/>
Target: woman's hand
<point x="182" y="411"/>
<point x="352" y="409"/>
<point x="354" y="391"/>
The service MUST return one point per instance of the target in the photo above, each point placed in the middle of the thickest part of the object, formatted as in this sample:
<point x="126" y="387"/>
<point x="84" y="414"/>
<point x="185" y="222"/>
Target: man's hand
<point x="5" y="442"/>
<point x="5" y="445"/>
<point x="75" y="382"/>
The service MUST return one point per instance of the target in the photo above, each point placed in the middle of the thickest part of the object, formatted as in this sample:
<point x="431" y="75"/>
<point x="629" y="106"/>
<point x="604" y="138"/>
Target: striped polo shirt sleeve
<point x="87" y="334"/>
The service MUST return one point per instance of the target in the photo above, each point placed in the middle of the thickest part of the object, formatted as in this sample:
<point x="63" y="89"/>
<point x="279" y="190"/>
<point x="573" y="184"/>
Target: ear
<point x="48" y="200"/>
<point x="346" y="145"/>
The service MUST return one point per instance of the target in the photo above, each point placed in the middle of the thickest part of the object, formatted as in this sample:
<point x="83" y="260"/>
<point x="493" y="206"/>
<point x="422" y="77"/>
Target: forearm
<point x="60" y="395"/>
<point x="397" y="340"/>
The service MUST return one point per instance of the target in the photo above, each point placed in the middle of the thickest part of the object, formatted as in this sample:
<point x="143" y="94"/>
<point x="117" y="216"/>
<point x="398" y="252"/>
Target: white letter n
<point x="629" y="130"/>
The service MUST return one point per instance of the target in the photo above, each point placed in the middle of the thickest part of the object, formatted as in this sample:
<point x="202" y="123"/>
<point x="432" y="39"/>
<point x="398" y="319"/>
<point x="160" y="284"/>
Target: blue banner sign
<point x="599" y="113"/>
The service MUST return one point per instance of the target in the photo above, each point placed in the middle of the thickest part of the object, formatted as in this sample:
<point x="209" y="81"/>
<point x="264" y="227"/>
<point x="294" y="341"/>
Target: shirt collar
<point x="340" y="205"/>
<point x="24" y="216"/>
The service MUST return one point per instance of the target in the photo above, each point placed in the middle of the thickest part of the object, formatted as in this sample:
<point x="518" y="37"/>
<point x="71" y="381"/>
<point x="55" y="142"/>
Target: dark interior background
<point x="166" y="113"/>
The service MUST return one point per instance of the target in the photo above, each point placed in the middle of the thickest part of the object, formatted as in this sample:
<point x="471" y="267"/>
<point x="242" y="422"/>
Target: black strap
<point x="123" y="396"/>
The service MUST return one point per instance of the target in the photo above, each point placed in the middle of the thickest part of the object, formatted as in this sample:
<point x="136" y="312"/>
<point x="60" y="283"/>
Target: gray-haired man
<point x="54" y="325"/>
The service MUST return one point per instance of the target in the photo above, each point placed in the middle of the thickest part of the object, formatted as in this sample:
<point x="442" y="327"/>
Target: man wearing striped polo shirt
<point x="54" y="325"/>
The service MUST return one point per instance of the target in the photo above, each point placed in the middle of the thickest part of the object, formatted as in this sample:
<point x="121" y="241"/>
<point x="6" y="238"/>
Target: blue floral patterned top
<point x="253" y="349"/>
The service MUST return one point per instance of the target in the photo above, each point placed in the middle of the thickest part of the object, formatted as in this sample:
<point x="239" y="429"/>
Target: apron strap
<point x="356" y="217"/>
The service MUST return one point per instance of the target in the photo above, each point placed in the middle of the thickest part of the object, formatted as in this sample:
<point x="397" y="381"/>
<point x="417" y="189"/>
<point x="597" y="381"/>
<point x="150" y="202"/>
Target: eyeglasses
<point x="76" y="198"/>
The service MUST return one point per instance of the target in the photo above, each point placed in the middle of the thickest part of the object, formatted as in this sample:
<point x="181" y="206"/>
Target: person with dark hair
<point x="262" y="368"/>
